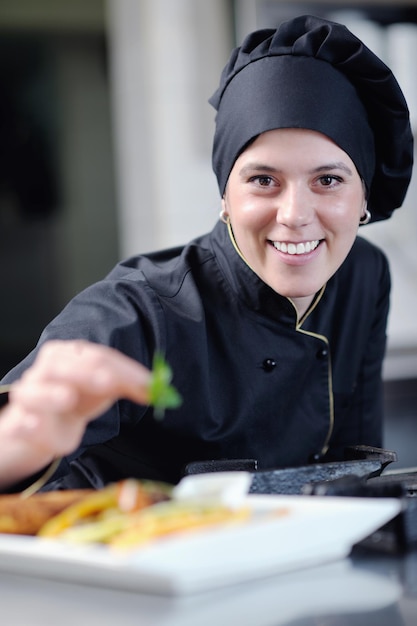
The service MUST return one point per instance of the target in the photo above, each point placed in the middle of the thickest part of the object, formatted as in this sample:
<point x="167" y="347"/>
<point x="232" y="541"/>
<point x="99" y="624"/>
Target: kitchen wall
<point x="58" y="215"/>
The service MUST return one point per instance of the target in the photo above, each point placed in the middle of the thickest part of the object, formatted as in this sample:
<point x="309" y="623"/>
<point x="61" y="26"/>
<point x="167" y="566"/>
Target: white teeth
<point x="296" y="248"/>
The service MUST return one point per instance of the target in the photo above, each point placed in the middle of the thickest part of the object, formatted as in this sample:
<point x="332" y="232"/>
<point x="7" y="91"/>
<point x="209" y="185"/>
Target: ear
<point x="223" y="215"/>
<point x="366" y="217"/>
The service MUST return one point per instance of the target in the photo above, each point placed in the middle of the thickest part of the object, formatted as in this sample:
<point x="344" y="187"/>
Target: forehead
<point x="294" y="146"/>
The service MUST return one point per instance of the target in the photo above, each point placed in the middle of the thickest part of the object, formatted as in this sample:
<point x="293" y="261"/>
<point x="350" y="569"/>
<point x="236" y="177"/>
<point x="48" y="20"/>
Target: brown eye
<point x="329" y="179"/>
<point x="263" y="181"/>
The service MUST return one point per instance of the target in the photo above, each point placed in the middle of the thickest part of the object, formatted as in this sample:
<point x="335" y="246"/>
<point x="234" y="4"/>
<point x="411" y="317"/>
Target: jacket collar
<point x="245" y="283"/>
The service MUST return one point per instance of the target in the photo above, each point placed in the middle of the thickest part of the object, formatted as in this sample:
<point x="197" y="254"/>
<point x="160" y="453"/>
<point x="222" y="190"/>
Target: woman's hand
<point x="69" y="384"/>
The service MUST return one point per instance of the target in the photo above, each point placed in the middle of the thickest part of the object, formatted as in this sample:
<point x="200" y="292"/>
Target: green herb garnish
<point x="162" y="395"/>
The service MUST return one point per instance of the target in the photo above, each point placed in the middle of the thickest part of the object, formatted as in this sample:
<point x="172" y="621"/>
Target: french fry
<point x="100" y="500"/>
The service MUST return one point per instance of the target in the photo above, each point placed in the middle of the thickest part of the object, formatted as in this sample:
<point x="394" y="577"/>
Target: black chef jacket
<point x="256" y="382"/>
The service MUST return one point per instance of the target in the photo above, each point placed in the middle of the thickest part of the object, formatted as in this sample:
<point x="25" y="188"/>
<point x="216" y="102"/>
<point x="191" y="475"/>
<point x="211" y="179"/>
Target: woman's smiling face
<point x="294" y="199"/>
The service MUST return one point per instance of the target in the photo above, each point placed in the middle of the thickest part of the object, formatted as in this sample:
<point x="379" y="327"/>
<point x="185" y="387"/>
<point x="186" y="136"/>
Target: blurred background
<point x="105" y="151"/>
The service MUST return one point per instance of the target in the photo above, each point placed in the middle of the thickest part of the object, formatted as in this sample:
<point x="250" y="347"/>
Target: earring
<point x="366" y="218"/>
<point x="224" y="216"/>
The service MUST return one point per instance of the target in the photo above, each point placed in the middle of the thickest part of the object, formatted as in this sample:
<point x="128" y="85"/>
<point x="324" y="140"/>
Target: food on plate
<point x="116" y="500"/>
<point x="130" y="513"/>
<point x="53" y="511"/>
<point x="124" y="515"/>
<point x="25" y="516"/>
<point x="128" y="531"/>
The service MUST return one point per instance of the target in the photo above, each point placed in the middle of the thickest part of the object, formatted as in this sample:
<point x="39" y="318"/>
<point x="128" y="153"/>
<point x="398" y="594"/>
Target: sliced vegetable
<point x="167" y="518"/>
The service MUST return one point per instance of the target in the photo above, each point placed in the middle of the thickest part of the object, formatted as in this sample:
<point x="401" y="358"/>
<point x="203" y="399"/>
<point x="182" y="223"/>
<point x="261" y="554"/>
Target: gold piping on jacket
<point x="298" y="328"/>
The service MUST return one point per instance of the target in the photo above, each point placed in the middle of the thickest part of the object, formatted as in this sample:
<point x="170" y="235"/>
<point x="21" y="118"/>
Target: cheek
<point x="343" y="216"/>
<point x="247" y="212"/>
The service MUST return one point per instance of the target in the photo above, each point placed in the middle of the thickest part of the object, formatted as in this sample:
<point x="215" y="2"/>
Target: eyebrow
<point x="260" y="167"/>
<point x="338" y="165"/>
<point x="256" y="167"/>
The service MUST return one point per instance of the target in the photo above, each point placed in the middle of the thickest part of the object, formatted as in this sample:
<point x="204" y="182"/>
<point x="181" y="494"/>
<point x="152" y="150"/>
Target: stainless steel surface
<point x="365" y="590"/>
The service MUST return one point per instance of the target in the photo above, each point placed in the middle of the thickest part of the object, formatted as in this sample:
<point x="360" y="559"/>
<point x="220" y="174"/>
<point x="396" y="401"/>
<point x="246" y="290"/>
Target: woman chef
<point x="274" y="323"/>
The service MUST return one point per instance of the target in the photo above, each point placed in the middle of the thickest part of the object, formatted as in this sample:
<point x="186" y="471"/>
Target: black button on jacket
<point x="256" y="382"/>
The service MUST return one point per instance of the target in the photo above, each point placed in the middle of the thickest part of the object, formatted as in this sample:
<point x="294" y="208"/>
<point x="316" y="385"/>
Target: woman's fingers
<point x="46" y="434"/>
<point x="71" y="375"/>
<point x="69" y="384"/>
<point x="45" y="397"/>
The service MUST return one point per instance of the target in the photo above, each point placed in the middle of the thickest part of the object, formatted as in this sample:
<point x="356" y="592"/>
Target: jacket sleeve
<point x="119" y="313"/>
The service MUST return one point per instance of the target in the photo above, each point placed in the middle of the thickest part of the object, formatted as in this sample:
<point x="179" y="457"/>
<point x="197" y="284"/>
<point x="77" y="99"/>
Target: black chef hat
<point x="313" y="73"/>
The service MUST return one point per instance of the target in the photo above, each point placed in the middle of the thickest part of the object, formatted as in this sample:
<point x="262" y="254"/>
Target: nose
<point x="295" y="207"/>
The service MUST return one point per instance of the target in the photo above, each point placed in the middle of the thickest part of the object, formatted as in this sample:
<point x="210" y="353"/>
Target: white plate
<point x="316" y="530"/>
